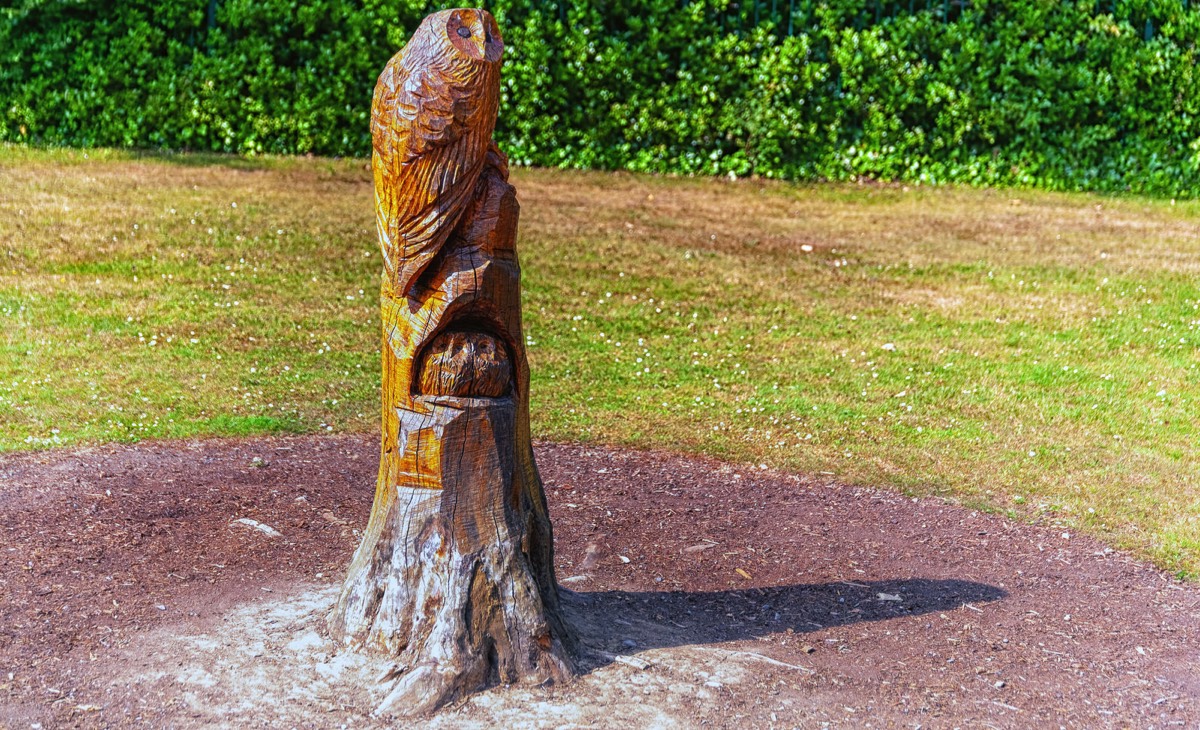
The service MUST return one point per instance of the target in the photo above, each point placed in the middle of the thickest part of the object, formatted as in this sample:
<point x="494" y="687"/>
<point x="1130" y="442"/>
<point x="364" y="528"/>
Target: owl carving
<point x="454" y="578"/>
<point x="432" y="119"/>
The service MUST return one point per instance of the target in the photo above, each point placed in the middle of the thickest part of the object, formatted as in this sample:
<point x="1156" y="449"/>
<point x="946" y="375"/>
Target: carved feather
<point x="432" y="121"/>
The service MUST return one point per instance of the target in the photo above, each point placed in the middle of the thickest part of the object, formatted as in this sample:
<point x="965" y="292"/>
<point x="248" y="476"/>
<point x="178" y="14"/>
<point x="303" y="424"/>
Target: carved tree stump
<point x="454" y="577"/>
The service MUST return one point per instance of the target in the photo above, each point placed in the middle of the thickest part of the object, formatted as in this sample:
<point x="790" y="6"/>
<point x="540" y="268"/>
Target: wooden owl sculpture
<point x="454" y="578"/>
<point x="434" y="111"/>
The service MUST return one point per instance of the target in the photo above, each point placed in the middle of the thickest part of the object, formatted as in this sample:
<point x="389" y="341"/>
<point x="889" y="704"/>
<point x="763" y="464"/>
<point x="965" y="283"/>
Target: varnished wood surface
<point x="454" y="576"/>
<point x="431" y="124"/>
<point x="465" y="364"/>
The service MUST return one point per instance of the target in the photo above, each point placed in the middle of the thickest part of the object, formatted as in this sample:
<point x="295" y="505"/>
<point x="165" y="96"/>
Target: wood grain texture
<point x="454" y="576"/>
<point x="432" y="118"/>
<point x="465" y="364"/>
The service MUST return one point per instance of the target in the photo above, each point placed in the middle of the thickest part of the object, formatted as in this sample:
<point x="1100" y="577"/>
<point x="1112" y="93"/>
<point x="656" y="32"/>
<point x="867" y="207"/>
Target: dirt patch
<point x="709" y="594"/>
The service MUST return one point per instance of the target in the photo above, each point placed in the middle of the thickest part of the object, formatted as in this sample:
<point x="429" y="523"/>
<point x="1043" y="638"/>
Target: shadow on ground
<point x="626" y="622"/>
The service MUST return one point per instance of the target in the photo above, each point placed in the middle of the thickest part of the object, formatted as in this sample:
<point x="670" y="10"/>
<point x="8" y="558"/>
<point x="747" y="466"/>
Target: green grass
<point x="1036" y="354"/>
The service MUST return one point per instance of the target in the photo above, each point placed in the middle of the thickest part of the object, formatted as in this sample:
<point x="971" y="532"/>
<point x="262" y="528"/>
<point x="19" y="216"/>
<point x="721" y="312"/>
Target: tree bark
<point x="455" y="576"/>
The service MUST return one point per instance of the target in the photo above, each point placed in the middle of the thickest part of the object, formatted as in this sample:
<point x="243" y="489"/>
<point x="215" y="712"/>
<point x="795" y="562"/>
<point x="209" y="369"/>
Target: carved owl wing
<point x="430" y="149"/>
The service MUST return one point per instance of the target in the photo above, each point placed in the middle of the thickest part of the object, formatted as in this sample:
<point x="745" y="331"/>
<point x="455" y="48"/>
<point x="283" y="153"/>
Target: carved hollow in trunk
<point x="465" y="364"/>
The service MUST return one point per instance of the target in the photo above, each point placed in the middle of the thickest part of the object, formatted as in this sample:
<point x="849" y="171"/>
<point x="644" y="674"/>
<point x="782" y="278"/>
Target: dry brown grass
<point x="1044" y="359"/>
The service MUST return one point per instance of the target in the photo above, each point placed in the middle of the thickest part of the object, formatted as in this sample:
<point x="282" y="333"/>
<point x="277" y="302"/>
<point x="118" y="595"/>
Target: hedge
<point x="1062" y="95"/>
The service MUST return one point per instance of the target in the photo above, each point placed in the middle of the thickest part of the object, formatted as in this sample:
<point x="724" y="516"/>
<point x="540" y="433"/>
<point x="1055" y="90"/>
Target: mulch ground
<point x="910" y="612"/>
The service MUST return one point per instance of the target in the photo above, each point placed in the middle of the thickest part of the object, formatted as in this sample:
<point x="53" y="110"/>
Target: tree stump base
<point x="451" y="582"/>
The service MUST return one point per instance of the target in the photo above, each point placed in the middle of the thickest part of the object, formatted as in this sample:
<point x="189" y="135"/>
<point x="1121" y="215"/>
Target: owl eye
<point x="464" y="32"/>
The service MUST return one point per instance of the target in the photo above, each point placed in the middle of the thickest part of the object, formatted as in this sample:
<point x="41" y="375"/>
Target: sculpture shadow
<point x="626" y="622"/>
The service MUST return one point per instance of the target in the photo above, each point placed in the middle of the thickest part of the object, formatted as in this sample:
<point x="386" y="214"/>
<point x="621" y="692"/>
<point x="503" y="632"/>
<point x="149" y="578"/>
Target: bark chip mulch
<point x="901" y="612"/>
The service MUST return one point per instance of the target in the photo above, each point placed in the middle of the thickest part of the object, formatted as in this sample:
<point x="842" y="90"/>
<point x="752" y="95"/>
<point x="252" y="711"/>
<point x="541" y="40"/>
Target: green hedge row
<point x="1067" y="95"/>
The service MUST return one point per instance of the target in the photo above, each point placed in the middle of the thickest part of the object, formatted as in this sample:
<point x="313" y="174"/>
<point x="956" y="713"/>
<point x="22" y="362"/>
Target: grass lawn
<point x="1026" y="352"/>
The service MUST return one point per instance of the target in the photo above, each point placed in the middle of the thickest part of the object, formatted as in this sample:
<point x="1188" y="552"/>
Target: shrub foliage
<point x="1100" y="95"/>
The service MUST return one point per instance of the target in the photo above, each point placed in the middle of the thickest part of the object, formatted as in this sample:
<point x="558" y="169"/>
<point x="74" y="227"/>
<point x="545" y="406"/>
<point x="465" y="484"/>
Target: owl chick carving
<point x="431" y="127"/>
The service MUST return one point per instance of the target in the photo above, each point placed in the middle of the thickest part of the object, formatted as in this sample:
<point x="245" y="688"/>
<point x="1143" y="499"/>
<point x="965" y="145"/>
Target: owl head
<point x="471" y="31"/>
